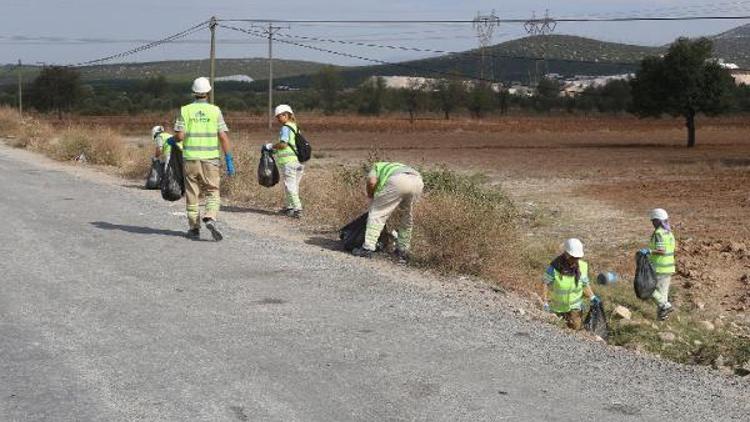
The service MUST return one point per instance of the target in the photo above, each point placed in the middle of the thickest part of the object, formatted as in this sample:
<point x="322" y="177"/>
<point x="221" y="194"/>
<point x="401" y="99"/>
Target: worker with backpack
<point x="290" y="151"/>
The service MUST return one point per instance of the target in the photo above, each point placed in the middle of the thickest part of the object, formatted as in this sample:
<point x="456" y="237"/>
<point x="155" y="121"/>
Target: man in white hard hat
<point x="660" y="251"/>
<point x="565" y="283"/>
<point x="203" y="133"/>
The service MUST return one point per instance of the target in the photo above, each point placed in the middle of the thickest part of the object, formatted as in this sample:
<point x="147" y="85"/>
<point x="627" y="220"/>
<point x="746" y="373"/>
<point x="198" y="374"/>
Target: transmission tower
<point x="540" y="27"/>
<point x="485" y="26"/>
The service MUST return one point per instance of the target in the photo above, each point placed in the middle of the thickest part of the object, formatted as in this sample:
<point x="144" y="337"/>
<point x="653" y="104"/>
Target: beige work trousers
<point x="661" y="294"/>
<point x="401" y="191"/>
<point x="201" y="176"/>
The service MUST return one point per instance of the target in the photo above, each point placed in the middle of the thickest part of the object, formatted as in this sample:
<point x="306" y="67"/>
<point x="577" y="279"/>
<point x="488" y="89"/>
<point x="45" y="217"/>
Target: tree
<point x="413" y="98"/>
<point x="327" y="83"/>
<point x="480" y="99"/>
<point x="370" y="96"/>
<point x="57" y="88"/>
<point x="684" y="82"/>
<point x="156" y="86"/>
<point x="449" y="95"/>
<point x="547" y="94"/>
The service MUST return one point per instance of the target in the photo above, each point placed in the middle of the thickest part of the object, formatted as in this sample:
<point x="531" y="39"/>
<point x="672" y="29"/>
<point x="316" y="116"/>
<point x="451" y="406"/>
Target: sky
<point x="74" y="31"/>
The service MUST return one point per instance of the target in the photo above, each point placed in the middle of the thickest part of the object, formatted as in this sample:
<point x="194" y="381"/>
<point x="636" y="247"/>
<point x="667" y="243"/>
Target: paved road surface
<point x="108" y="314"/>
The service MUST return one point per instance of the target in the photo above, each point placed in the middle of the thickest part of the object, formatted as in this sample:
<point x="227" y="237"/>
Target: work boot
<point x="211" y="225"/>
<point x="402" y="257"/>
<point x="193" y="234"/>
<point x="289" y="212"/>
<point x="664" y="312"/>
<point x="296" y="214"/>
<point x="285" y="211"/>
<point x="362" y="252"/>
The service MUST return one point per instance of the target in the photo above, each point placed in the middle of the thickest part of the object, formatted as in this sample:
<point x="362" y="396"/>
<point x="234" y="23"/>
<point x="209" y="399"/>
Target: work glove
<point x="546" y="307"/>
<point x="230" y="164"/>
<point x="595" y="300"/>
<point x="172" y="142"/>
<point x="268" y="147"/>
<point x="645" y="251"/>
<point x="154" y="159"/>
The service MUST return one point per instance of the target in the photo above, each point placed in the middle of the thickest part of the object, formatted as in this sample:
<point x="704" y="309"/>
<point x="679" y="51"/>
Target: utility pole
<point x="270" y="31"/>
<point x="20" y="90"/>
<point x="212" y="25"/>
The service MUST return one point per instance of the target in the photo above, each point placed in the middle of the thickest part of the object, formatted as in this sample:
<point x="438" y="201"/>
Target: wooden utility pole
<point x="20" y="90"/>
<point x="270" y="31"/>
<point x="212" y="75"/>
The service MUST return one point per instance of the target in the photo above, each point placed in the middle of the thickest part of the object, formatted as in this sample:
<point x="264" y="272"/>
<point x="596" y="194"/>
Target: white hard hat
<point x="156" y="130"/>
<point x="574" y="248"/>
<point x="659" y="214"/>
<point x="282" y="108"/>
<point x="201" y="85"/>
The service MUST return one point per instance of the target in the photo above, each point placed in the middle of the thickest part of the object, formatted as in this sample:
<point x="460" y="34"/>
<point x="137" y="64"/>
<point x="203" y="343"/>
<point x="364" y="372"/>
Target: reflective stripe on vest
<point x="384" y="171"/>
<point x="565" y="295"/>
<point x="166" y="149"/>
<point x="201" y="131"/>
<point x="287" y="155"/>
<point x="663" y="264"/>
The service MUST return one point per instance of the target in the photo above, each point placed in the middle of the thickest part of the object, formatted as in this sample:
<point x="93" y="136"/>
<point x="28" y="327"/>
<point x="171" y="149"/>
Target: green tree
<point x="327" y="83"/>
<point x="480" y="99"/>
<point x="449" y="95"/>
<point x="684" y="82"/>
<point x="371" y="95"/>
<point x="547" y="94"/>
<point x="156" y="86"/>
<point x="57" y="88"/>
<point x="413" y="98"/>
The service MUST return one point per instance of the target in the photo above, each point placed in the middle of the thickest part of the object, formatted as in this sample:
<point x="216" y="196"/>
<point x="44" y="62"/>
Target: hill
<point x="177" y="70"/>
<point x="733" y="46"/>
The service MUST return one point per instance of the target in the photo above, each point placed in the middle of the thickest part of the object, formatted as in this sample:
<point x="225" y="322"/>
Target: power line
<point x="182" y="34"/>
<point x="354" y="56"/>
<point x="514" y="20"/>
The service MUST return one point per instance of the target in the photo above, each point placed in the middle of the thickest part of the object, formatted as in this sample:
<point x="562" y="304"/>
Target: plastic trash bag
<point x="173" y="179"/>
<point x="153" y="181"/>
<point x="268" y="173"/>
<point x="353" y="235"/>
<point x="645" y="277"/>
<point x="596" y="321"/>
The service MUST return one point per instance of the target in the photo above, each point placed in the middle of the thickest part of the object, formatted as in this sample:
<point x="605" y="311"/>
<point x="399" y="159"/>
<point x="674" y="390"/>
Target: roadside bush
<point x="99" y="146"/>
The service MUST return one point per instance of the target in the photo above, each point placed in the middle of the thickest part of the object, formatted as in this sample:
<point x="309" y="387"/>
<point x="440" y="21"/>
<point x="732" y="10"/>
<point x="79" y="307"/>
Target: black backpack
<point x="302" y="147"/>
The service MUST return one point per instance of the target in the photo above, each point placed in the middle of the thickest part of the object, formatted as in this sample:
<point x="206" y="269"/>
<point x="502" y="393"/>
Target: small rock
<point x="667" y="337"/>
<point x="700" y="305"/>
<point x="719" y="362"/>
<point x="520" y="311"/>
<point x="707" y="325"/>
<point x="622" y="312"/>
<point x="697" y="342"/>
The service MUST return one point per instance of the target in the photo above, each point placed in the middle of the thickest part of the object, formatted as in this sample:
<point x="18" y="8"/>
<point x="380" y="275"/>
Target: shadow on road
<point x="325" y="243"/>
<point x="136" y="229"/>
<point x="138" y="187"/>
<point x="234" y="208"/>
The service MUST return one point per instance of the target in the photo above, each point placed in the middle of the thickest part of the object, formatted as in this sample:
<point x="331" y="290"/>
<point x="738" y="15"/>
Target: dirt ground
<point x="589" y="177"/>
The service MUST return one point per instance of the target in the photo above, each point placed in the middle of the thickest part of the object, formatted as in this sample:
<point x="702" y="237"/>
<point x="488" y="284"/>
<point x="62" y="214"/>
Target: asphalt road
<point x="108" y="314"/>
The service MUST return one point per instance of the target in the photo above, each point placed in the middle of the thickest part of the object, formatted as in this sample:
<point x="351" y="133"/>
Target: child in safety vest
<point x="566" y="281"/>
<point x="284" y="152"/>
<point x="660" y="251"/>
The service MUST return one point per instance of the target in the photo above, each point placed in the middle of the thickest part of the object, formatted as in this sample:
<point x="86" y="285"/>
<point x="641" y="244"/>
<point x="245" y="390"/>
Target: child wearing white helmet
<point x="284" y="152"/>
<point x="162" y="146"/>
<point x="565" y="283"/>
<point x="660" y="251"/>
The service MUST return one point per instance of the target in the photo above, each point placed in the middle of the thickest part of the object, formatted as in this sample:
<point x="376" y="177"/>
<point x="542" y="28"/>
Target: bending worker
<point x="285" y="154"/>
<point x="161" y="138"/>
<point x="566" y="281"/>
<point x="202" y="130"/>
<point x="660" y="252"/>
<point x="391" y="186"/>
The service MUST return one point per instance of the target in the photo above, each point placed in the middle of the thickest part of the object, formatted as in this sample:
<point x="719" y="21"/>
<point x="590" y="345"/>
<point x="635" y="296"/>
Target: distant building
<point x="575" y="86"/>
<point x="235" y="78"/>
<point x="741" y="76"/>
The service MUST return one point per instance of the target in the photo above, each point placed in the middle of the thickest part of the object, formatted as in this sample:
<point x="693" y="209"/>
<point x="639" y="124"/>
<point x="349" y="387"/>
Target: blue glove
<point x="645" y="251"/>
<point x="230" y="164"/>
<point x="595" y="300"/>
<point x="172" y="142"/>
<point x="545" y="307"/>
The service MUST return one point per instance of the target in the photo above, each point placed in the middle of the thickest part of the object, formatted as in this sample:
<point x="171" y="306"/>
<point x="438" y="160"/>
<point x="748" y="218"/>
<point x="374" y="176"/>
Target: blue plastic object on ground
<point x="607" y="277"/>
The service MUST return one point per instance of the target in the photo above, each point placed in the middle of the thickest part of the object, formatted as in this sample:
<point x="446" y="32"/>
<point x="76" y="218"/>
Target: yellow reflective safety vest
<point x="383" y="171"/>
<point x="201" y="131"/>
<point x="565" y="295"/>
<point x="663" y="264"/>
<point x="287" y="155"/>
<point x="166" y="149"/>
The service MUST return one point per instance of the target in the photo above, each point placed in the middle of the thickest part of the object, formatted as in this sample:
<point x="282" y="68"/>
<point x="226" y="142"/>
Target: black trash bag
<point x="268" y="173"/>
<point x="353" y="235"/>
<point x="596" y="321"/>
<point x="173" y="179"/>
<point x="645" y="277"/>
<point x="153" y="181"/>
